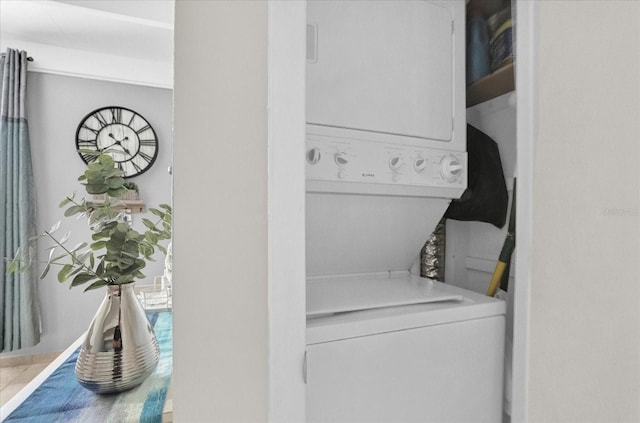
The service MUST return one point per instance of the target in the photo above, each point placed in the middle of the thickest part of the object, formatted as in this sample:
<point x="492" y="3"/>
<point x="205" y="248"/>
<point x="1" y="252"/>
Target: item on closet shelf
<point x="501" y="46"/>
<point x="500" y="277"/>
<point x="486" y="198"/>
<point x="501" y="38"/>
<point x="433" y="254"/>
<point x="478" y="60"/>
<point x="496" y="20"/>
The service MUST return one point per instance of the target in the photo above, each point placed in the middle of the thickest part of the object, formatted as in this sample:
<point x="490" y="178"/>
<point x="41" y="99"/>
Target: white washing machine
<point x="437" y="358"/>
<point x="385" y="155"/>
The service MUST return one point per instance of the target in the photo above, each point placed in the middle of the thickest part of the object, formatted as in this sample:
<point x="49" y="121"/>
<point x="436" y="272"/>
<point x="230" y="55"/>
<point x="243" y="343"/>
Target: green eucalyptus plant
<point x="117" y="253"/>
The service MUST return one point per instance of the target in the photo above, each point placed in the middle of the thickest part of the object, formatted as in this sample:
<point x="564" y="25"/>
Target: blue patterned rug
<point x="61" y="398"/>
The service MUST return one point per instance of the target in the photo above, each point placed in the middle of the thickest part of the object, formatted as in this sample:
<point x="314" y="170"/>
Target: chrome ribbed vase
<point x="120" y="350"/>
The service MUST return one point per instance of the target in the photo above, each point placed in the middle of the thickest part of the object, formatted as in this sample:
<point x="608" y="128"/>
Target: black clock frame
<point x="92" y="113"/>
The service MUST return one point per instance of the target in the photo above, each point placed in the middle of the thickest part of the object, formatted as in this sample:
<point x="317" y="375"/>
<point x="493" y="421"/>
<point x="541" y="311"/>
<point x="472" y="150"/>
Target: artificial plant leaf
<point x="73" y="210"/>
<point x="14" y="264"/>
<point x="46" y="269"/>
<point x="100" y="269"/>
<point x="55" y="227"/>
<point x="63" y="274"/>
<point x="98" y="245"/>
<point x="117" y="193"/>
<point x="65" y="238"/>
<point x="66" y="201"/>
<point x="106" y="160"/>
<point x="75" y="271"/>
<point x="157" y="212"/>
<point x="124" y="279"/>
<point x="97" y="284"/>
<point x="148" y="223"/>
<point x="82" y="278"/>
<point x="96" y="188"/>
<point x="79" y="246"/>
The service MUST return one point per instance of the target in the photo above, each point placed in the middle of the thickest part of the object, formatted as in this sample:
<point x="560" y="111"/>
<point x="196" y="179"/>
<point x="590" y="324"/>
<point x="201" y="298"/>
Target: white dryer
<point x="385" y="156"/>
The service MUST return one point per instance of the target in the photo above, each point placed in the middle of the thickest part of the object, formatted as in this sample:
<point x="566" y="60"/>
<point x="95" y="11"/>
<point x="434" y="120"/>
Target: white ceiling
<point x="128" y="41"/>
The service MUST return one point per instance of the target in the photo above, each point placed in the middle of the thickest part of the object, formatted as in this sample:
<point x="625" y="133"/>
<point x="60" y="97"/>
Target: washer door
<point x="442" y="373"/>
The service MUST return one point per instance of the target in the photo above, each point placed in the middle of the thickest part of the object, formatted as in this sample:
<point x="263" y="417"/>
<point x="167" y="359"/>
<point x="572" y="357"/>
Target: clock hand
<point x="125" y="149"/>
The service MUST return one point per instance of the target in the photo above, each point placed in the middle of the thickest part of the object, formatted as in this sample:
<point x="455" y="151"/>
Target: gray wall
<point x="56" y="104"/>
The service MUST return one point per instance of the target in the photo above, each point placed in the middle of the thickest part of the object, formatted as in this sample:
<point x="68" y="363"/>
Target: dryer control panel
<point x="371" y="162"/>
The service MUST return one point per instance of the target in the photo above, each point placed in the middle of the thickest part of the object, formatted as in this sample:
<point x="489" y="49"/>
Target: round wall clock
<point x="122" y="133"/>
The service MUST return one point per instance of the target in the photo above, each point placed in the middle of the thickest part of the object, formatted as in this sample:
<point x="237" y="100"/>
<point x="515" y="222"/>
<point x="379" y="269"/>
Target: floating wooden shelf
<point x="491" y="86"/>
<point x="136" y="206"/>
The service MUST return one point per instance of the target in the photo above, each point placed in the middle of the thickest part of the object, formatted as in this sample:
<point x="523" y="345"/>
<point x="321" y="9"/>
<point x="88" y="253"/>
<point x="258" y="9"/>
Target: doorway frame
<point x="286" y="390"/>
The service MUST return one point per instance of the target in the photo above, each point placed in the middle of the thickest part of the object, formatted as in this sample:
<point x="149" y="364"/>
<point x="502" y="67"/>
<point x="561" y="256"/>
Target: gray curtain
<point x="19" y="308"/>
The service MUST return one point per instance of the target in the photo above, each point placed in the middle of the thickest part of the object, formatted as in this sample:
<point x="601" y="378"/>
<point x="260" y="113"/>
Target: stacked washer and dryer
<point x="385" y="155"/>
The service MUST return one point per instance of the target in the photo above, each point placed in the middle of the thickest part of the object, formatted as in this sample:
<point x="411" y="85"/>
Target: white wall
<point x="56" y="105"/>
<point x="220" y="245"/>
<point x="584" y="344"/>
<point x="240" y="224"/>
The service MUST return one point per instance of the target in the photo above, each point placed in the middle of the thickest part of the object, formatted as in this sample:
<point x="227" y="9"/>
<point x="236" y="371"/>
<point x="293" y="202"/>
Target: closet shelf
<point x="499" y="82"/>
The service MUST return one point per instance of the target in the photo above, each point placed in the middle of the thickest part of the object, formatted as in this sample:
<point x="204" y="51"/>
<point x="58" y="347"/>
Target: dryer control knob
<point x="313" y="155"/>
<point x="450" y="168"/>
<point x="341" y="159"/>
<point x="395" y="162"/>
<point x="420" y="164"/>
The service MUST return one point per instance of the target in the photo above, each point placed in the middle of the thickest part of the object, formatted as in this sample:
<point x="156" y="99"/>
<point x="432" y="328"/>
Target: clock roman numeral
<point x="88" y="158"/>
<point x="87" y="143"/>
<point x="101" y="120"/>
<point x="95" y="131"/>
<point x="144" y="128"/>
<point x="136" y="166"/>
<point x="116" y="115"/>
<point x="145" y="156"/>
<point x="148" y="143"/>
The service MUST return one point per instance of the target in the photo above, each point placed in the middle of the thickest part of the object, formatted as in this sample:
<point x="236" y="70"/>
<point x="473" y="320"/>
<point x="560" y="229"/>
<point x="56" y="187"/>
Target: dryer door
<point x="381" y="66"/>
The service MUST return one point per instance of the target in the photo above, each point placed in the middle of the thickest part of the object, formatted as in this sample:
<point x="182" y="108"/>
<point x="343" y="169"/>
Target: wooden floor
<point x="17" y="372"/>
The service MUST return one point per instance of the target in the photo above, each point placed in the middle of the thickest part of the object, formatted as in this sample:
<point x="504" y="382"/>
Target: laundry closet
<point x="386" y="154"/>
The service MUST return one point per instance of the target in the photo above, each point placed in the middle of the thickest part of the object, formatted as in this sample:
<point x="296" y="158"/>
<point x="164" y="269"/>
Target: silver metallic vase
<point x="120" y="349"/>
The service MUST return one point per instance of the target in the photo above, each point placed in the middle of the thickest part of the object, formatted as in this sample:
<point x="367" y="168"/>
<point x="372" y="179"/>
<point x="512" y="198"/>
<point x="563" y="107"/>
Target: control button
<point x="341" y="159"/>
<point x="313" y="155"/>
<point x="450" y="168"/>
<point x="395" y="162"/>
<point x="341" y="174"/>
<point x="420" y="164"/>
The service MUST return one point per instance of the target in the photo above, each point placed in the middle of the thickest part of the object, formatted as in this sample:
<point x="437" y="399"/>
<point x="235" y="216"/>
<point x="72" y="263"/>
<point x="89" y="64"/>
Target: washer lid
<point x="381" y="318"/>
<point x="345" y="294"/>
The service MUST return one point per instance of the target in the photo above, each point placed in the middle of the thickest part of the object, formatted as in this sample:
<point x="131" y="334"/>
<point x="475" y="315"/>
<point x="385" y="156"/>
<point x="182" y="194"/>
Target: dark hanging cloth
<point x="486" y="198"/>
